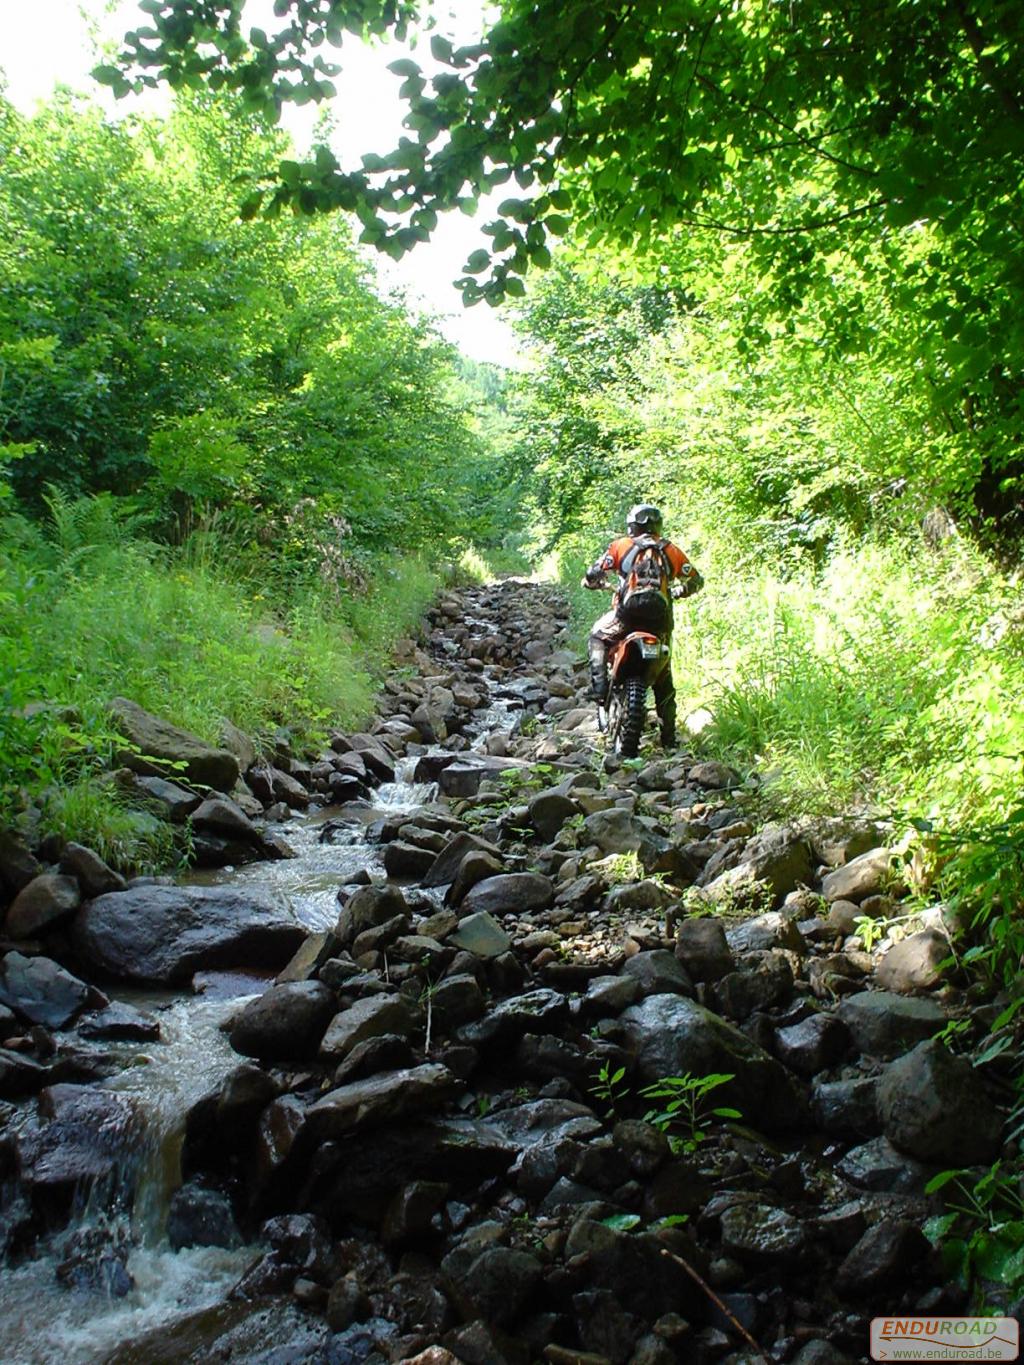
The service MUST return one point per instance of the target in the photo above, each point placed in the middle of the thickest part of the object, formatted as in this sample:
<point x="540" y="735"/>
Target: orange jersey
<point x="618" y="549"/>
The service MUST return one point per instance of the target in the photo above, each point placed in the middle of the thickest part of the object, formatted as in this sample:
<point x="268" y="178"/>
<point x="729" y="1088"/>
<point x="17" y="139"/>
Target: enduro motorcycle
<point x="635" y="664"/>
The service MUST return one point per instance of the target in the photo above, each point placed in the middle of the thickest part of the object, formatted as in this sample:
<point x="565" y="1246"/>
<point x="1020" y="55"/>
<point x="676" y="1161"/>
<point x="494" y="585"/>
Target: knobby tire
<point x="633" y="718"/>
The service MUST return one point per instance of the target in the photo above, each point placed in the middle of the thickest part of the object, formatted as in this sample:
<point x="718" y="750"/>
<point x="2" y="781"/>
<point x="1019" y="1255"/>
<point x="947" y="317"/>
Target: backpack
<point x="645" y="574"/>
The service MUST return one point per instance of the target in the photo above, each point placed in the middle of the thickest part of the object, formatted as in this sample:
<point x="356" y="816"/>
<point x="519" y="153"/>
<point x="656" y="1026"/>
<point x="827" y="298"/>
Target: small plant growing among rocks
<point x="681" y="1113"/>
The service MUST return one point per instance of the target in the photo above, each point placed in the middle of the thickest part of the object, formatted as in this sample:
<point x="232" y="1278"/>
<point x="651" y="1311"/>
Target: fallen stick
<point x="699" y="1280"/>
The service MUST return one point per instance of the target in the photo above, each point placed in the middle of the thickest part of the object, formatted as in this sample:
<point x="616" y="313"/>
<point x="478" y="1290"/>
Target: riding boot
<point x="598" y="672"/>
<point x="667" y="717"/>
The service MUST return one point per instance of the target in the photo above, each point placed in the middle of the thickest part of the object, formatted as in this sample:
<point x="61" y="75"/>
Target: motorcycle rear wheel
<point x="627" y="717"/>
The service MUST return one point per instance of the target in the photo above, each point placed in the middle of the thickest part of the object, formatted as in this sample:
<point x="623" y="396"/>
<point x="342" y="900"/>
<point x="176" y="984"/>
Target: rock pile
<point x="441" y="1125"/>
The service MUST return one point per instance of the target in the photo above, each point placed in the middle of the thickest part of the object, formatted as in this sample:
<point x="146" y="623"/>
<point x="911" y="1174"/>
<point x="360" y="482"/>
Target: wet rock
<point x="381" y="1099"/>
<point x="934" y="1106"/>
<point x="221" y="815"/>
<point x="387" y="1052"/>
<point x="409" y="1215"/>
<point x="633" y="1267"/>
<point x="91" y="872"/>
<point x="765" y="932"/>
<point x="813" y="1044"/>
<point x="605" y="1326"/>
<point x="760" y="1233"/>
<point x="867" y="875"/>
<point x="481" y="935"/>
<point x="464" y="777"/>
<point x="40" y="991"/>
<point x="475" y="867"/>
<point x="702" y="948"/>
<point x="367" y="908"/>
<point x="886" y="1256"/>
<point x="537" y="1011"/>
<point x="457" y="1000"/>
<point x="311" y="955"/>
<point x="842" y="917"/>
<point x="613" y="830"/>
<point x="367" y="1018"/>
<point x="82" y="1135"/>
<point x="155" y="739"/>
<point x="21" y="1075"/>
<point x="303" y="1240"/>
<point x="403" y="859"/>
<point x="885" y="1025"/>
<point x="45" y="902"/>
<point x="285" y="1023"/>
<point x="663" y="857"/>
<point x="638" y="897"/>
<point x="915" y="964"/>
<point x="611" y="994"/>
<point x="847" y="1107"/>
<point x="877" y="1165"/>
<point x="516" y="893"/>
<point x="658" y="972"/>
<point x="120" y="1023"/>
<point x="201" y="1217"/>
<point x="166" y="933"/>
<point x="671" y="1035"/>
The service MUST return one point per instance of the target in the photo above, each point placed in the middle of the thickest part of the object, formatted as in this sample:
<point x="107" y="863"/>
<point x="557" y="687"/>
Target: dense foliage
<point x="219" y="448"/>
<point x="877" y="141"/>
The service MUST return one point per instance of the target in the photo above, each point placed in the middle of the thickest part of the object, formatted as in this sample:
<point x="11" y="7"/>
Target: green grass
<point x="96" y="614"/>
<point x="891" y="680"/>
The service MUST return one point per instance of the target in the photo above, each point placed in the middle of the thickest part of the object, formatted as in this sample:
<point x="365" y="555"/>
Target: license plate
<point x="652" y="651"/>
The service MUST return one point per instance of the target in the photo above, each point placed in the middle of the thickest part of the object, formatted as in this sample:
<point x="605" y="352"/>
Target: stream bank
<point x="403" y="1115"/>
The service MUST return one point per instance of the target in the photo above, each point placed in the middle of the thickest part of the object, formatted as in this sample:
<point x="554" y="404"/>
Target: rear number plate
<point x="652" y="651"/>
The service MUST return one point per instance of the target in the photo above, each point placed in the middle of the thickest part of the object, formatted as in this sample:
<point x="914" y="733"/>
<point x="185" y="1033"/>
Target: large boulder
<point x="614" y="830"/>
<point x="886" y="1025"/>
<point x="154" y="744"/>
<point x="934" y="1107"/>
<point x="381" y="1099"/>
<point x="167" y="933"/>
<point x="915" y="963"/>
<point x="444" y="869"/>
<point x="671" y="1035"/>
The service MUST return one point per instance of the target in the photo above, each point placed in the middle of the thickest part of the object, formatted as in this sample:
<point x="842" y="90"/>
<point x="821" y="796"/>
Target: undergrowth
<point x="88" y="611"/>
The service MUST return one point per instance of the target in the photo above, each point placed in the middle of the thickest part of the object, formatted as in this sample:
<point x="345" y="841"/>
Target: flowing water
<point x="43" y="1323"/>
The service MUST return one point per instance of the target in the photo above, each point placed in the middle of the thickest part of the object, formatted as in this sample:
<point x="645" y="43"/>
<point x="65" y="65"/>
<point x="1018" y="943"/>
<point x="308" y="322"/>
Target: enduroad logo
<point x="945" y="1339"/>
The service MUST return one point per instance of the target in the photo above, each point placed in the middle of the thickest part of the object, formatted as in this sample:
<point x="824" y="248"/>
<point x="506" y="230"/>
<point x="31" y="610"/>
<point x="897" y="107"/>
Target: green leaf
<point x="621" y="1222"/>
<point x="404" y="67"/>
<point x="441" y="48"/>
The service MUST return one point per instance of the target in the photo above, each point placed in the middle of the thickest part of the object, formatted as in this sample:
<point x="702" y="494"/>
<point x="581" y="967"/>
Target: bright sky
<point x="53" y="41"/>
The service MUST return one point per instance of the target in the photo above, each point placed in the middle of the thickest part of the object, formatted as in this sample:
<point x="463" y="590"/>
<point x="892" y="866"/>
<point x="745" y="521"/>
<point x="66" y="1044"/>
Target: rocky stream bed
<point x="367" y="1084"/>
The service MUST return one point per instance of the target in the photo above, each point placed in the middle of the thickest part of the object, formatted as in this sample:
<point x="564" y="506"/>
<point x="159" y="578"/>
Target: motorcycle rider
<point x="643" y="525"/>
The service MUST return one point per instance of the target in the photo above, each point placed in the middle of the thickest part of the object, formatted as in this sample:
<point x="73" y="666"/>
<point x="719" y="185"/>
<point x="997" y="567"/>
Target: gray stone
<point x="867" y="875"/>
<point x="820" y="1353"/>
<point x="237" y="742"/>
<point x="773" y="930"/>
<point x="760" y="981"/>
<point x="887" y="1255"/>
<point x="464" y="777"/>
<point x="92" y="873"/>
<point x="877" y="1165"/>
<point x="934" y="1106"/>
<point x="842" y="917"/>
<point x="638" y="897"/>
<point x="481" y="935"/>
<point x="120" y="1022"/>
<point x="475" y="867"/>
<point x="885" y="1025"/>
<point x="167" y="933"/>
<point x="847" y="1107"/>
<point x="499" y="1285"/>
<point x="85" y="1134"/>
<point x="702" y="948"/>
<point x="445" y="866"/>
<point x="915" y="963"/>
<point x="381" y="1099"/>
<point x="285" y="1023"/>
<point x="40" y="991"/>
<point x="170" y="801"/>
<point x="223" y="816"/>
<point x="18" y="865"/>
<point x="201" y="1217"/>
<point x="367" y="1018"/>
<point x="368" y="908"/>
<point x="48" y="900"/>
<point x="403" y="859"/>
<point x="840" y="839"/>
<point x="671" y="1035"/>
<point x="610" y="994"/>
<point x="715" y="776"/>
<point x="156" y="744"/>
<point x="548" y="812"/>
<point x="515" y="893"/>
<point x="658" y="972"/>
<point x="774" y="863"/>
<point x="613" y="830"/>
<point x="813" y="1044"/>
<point x="457" y="1000"/>
<point x="761" y="1234"/>
<point x="536" y="1011"/>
